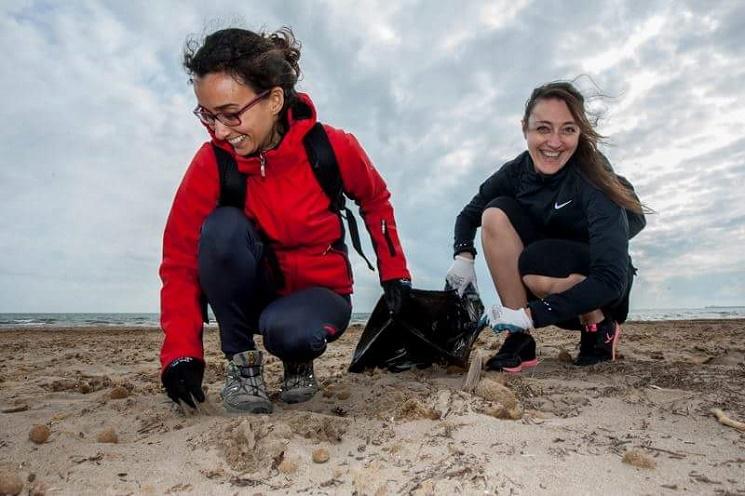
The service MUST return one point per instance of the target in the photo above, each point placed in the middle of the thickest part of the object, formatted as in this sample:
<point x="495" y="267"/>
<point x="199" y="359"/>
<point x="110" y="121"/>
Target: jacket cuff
<point x="464" y="246"/>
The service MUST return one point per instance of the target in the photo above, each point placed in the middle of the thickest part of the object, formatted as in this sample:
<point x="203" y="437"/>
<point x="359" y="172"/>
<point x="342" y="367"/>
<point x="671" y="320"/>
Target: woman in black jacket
<point x="555" y="222"/>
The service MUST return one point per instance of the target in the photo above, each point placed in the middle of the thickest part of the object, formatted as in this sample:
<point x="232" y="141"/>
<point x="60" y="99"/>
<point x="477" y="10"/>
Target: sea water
<point x="52" y="320"/>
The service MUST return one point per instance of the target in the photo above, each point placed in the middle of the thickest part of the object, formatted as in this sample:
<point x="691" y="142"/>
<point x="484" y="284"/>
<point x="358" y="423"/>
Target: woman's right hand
<point x="182" y="380"/>
<point x="461" y="274"/>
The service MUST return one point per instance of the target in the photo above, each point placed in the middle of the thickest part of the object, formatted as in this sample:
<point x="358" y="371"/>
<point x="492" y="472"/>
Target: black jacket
<point x="567" y="206"/>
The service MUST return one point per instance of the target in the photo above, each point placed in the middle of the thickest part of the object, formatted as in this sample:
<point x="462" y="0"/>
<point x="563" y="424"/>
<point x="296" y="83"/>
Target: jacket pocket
<point x="344" y="257"/>
<point x="387" y="237"/>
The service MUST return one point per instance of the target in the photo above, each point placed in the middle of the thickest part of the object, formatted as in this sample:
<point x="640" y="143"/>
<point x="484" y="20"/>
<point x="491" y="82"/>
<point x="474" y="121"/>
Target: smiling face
<point x="219" y="92"/>
<point x="552" y="135"/>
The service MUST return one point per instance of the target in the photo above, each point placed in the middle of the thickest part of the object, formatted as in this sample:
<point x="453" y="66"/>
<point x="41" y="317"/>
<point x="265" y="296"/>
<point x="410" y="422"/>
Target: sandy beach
<point x="641" y="425"/>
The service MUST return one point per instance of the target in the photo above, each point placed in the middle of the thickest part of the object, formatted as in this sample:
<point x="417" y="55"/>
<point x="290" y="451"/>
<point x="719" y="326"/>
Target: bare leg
<point x="502" y="248"/>
<point x="542" y="286"/>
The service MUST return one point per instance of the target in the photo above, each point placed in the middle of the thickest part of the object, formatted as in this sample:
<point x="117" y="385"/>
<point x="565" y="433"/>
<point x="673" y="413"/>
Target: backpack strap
<point x="232" y="181"/>
<point x="326" y="169"/>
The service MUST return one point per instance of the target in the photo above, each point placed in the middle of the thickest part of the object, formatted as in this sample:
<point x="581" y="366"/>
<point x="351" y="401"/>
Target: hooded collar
<point x="300" y="118"/>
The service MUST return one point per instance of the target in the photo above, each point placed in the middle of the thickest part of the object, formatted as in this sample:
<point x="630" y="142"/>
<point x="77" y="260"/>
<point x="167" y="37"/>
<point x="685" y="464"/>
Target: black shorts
<point x="554" y="257"/>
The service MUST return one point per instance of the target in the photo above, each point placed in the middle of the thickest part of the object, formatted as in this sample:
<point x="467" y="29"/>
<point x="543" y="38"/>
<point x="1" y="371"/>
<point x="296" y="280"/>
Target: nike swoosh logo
<point x="557" y="206"/>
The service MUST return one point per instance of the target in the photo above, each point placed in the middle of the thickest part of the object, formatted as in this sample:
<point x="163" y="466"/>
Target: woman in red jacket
<point x="277" y="266"/>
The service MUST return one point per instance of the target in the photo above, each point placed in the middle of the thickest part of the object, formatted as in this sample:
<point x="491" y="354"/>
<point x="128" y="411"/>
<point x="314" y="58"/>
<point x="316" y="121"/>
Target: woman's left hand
<point x="395" y="293"/>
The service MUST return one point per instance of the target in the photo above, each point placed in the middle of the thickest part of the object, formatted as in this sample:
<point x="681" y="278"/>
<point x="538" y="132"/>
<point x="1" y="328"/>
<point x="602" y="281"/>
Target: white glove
<point x="461" y="274"/>
<point x="501" y="318"/>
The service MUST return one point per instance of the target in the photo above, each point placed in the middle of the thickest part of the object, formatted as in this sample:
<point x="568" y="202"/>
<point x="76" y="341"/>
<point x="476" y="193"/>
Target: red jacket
<point x="287" y="203"/>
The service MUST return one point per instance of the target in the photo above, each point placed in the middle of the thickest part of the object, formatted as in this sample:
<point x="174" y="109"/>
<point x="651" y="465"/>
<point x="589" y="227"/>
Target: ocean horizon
<point x="52" y="320"/>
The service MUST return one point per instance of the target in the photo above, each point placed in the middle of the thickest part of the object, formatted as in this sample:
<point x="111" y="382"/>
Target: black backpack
<point x="326" y="169"/>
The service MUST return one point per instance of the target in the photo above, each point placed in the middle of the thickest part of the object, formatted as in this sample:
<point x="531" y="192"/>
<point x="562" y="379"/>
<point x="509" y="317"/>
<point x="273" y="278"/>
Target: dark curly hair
<point x="259" y="60"/>
<point x="591" y="162"/>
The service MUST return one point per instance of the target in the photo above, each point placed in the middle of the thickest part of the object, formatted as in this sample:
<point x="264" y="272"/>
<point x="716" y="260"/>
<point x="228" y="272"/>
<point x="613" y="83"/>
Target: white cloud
<point x="97" y="129"/>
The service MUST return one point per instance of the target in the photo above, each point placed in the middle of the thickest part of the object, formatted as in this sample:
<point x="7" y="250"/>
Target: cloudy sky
<point x="97" y="131"/>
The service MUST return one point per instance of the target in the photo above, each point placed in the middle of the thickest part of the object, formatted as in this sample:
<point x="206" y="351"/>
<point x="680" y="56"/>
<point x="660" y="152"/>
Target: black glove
<point x="395" y="293"/>
<point x="183" y="380"/>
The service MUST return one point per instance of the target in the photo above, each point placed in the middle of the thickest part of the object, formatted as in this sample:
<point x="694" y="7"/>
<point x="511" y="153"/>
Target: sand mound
<point x="503" y="403"/>
<point x="251" y="446"/>
<point x="83" y="383"/>
<point x="107" y="436"/>
<point x="638" y="459"/>
<point x="413" y="409"/>
<point x="320" y="428"/>
<point x="119" y="393"/>
<point x="493" y="391"/>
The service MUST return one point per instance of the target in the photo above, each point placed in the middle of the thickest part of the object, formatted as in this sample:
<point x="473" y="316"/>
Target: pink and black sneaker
<point x="516" y="354"/>
<point x="598" y="342"/>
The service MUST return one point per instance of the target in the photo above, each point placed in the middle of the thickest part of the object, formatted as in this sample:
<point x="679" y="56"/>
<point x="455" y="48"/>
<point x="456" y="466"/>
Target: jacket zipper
<point x="387" y="236"/>
<point x="348" y="265"/>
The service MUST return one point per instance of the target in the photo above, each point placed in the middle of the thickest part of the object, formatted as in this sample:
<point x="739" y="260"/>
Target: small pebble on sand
<point x="321" y="455"/>
<point x="287" y="467"/>
<point x="638" y="459"/>
<point x="107" y="436"/>
<point x="565" y="357"/>
<point x="343" y="395"/>
<point x="119" y="393"/>
<point x="10" y="483"/>
<point x="39" y="434"/>
<point x="38" y="488"/>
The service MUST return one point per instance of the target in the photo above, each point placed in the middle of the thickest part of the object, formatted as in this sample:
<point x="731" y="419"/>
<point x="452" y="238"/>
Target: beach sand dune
<point x="641" y="425"/>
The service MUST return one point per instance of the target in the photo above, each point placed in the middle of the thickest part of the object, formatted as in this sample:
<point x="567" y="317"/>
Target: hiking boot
<point x="598" y="342"/>
<point x="517" y="353"/>
<point x="299" y="384"/>
<point x="245" y="391"/>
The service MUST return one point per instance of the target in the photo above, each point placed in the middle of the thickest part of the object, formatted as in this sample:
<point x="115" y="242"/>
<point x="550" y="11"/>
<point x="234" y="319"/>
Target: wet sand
<point x="641" y="425"/>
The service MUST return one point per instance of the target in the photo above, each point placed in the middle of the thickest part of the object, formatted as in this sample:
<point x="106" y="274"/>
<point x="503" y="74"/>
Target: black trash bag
<point x="432" y="327"/>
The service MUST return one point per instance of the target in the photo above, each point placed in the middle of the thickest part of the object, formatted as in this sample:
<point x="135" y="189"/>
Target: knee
<point x="542" y="286"/>
<point x="496" y="216"/>
<point x="538" y="285"/>
<point x="294" y="343"/>
<point x="494" y="221"/>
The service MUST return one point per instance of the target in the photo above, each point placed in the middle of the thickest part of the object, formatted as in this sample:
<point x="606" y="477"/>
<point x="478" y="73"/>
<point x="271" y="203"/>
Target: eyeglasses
<point x="227" y="118"/>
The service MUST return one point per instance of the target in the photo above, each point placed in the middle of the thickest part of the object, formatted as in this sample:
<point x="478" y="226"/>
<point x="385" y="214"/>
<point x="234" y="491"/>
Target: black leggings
<point x="554" y="257"/>
<point x="295" y="327"/>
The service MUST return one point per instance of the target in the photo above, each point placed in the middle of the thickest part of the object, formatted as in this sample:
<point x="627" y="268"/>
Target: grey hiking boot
<point x="244" y="390"/>
<point x="299" y="383"/>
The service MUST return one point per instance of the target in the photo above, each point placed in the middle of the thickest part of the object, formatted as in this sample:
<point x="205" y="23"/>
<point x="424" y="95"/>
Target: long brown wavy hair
<point x="591" y="162"/>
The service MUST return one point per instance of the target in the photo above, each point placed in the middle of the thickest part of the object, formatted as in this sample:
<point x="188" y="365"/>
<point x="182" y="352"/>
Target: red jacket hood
<point x="301" y="117"/>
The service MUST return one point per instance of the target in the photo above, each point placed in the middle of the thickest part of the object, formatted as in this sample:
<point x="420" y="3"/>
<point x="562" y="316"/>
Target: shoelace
<point x="251" y="383"/>
<point x="302" y="377"/>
